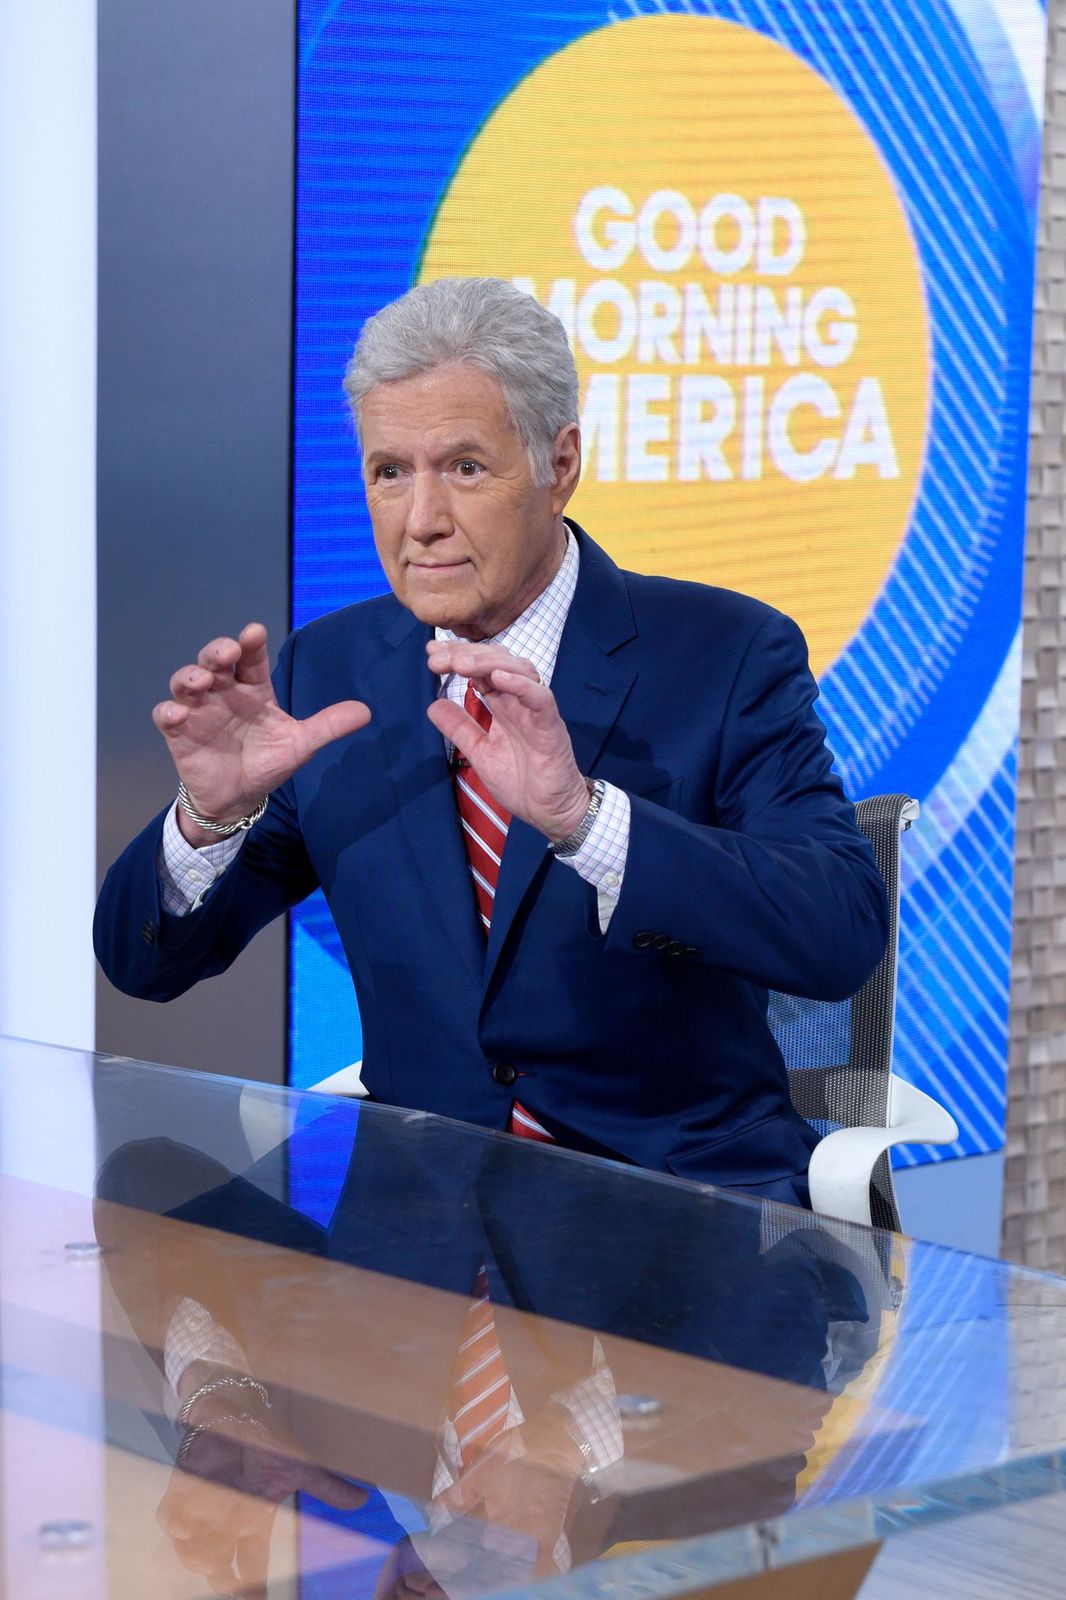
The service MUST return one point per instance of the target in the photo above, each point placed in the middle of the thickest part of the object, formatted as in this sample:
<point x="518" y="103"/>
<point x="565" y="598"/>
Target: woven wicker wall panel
<point x="1034" y="1226"/>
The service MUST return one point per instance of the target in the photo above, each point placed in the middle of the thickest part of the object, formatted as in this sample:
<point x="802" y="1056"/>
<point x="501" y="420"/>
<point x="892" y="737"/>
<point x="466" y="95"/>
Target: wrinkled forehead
<point x="458" y="402"/>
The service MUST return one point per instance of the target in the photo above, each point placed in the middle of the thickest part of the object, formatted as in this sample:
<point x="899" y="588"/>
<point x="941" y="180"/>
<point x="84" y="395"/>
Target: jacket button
<point x="641" y="941"/>
<point x="675" y="948"/>
<point x="692" y="951"/>
<point x="504" y="1073"/>
<point x="661" y="941"/>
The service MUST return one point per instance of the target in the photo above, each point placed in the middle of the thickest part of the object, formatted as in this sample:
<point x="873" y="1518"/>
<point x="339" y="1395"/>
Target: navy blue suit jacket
<point x="745" y="872"/>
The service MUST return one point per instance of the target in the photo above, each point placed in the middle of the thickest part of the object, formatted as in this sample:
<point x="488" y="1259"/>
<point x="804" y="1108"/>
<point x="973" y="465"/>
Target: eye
<point x="388" y="472"/>
<point x="468" y="468"/>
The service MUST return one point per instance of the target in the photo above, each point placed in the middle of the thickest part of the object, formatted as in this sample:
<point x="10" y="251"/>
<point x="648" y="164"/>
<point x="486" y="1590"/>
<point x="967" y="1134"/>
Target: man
<point x="572" y="822"/>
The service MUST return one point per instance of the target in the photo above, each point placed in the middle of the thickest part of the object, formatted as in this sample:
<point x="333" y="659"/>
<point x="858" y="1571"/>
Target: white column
<point x="47" y="517"/>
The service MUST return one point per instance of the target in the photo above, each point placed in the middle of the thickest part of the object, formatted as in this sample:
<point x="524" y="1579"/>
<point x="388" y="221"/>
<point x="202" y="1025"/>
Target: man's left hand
<point x="526" y="759"/>
<point x="524" y="1483"/>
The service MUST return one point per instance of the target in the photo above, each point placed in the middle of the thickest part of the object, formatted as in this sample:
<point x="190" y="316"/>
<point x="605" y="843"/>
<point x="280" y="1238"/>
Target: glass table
<point x="261" y="1342"/>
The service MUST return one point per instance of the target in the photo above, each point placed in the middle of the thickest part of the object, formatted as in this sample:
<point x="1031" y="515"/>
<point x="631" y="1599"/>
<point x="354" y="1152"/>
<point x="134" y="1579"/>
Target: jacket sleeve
<point x="152" y="955"/>
<point x="782" y="889"/>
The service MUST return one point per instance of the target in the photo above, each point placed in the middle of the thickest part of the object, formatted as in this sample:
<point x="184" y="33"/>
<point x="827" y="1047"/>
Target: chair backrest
<point x="839" y="1053"/>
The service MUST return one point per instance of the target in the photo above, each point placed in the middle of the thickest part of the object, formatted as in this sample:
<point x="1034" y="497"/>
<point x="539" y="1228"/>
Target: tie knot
<point x="476" y="707"/>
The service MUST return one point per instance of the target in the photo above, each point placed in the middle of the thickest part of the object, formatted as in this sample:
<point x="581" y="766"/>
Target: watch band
<point x="573" y="841"/>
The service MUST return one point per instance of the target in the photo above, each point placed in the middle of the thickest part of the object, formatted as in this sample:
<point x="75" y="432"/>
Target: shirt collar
<point x="537" y="633"/>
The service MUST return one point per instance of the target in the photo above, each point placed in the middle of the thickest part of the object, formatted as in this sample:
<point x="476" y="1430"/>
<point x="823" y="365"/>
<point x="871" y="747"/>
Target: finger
<point x="210" y="1557"/>
<point x="224" y="1581"/>
<point x="169" y="717"/>
<point x="534" y="694"/>
<point x="463" y="1497"/>
<point x="332" y="1488"/>
<point x="254" y="663"/>
<point x="458" y="726"/>
<point x="253" y="1562"/>
<point x="210" y="1553"/>
<point x="476" y="661"/>
<point x="195" y="1513"/>
<point x="347" y="716"/>
<point x="544" y="1565"/>
<point x="474" y="1486"/>
<point x="221" y="655"/>
<point x="191" y="683"/>
<point x="467" y="657"/>
<point x="187" y="1552"/>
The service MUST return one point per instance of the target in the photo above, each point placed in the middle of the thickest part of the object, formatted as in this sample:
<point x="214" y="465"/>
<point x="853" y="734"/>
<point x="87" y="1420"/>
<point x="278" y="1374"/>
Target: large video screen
<point x="793" y="246"/>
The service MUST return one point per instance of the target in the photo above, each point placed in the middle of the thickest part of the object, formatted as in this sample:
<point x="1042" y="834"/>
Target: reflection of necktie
<point x="485" y="824"/>
<point x="480" y="1385"/>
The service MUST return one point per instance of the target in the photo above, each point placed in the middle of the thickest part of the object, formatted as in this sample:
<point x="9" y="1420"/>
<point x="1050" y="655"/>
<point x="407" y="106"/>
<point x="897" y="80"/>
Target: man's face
<point x="466" y="538"/>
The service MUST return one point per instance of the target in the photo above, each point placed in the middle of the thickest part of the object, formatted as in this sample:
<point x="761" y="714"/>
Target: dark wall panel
<point x="196" y="118"/>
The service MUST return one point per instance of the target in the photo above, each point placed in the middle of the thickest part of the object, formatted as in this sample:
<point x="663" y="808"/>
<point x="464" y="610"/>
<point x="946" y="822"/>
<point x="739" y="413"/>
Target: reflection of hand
<point x="524" y="1482"/>
<point x="220" y="1505"/>
<point x="526" y="759"/>
<point x="230" y="740"/>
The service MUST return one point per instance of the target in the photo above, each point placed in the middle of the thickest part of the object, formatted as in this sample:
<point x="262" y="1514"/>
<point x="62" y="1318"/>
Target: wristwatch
<point x="573" y="841"/>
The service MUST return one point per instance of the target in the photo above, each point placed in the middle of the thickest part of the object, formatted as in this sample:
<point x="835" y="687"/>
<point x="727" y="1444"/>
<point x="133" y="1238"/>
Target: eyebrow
<point x="450" y="448"/>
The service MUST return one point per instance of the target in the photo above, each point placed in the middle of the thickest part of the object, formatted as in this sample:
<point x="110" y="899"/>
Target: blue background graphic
<point x="925" y="697"/>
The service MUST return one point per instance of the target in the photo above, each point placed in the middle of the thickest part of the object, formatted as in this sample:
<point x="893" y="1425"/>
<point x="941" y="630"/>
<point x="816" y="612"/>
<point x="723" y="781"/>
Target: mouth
<point x="438" y="566"/>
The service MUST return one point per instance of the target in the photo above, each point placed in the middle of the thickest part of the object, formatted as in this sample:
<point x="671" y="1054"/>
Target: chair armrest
<point x="843" y="1163"/>
<point x="348" y="1081"/>
<point x="267" y="1121"/>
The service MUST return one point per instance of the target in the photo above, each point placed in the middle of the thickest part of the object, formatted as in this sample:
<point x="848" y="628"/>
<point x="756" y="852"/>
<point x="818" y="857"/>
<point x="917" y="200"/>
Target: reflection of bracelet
<point x="236" y="1380"/>
<point x="244" y="1419"/>
<point x="589" y="1464"/>
<point x="209" y="825"/>
<point x="588" y="1460"/>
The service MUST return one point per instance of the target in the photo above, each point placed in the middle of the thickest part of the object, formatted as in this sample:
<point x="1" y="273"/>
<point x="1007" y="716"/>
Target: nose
<point x="428" y="516"/>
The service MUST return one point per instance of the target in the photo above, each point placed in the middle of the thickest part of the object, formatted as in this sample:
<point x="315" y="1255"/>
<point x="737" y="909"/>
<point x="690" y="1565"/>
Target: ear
<point x="566" y="466"/>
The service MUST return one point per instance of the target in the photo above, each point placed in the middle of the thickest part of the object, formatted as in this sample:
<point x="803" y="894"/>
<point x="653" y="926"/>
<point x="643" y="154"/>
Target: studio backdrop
<point x="792" y="242"/>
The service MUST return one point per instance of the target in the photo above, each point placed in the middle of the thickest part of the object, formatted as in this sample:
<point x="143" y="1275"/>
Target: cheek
<point x="387" y="528"/>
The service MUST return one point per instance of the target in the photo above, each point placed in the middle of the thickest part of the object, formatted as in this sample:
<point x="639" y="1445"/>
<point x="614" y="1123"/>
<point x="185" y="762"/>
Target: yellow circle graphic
<point x="725" y="245"/>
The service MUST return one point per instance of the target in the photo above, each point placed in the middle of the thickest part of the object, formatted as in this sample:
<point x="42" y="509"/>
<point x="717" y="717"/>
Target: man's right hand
<point x="231" y="742"/>
<point x="220" y="1504"/>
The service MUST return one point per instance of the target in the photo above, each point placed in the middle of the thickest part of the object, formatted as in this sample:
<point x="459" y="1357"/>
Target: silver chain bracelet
<point x="238" y="1380"/>
<point x="209" y="824"/>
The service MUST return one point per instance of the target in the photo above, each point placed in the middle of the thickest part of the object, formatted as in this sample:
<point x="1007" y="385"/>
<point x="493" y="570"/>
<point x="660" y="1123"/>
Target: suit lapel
<point x="593" y="676"/>
<point x="398" y="692"/>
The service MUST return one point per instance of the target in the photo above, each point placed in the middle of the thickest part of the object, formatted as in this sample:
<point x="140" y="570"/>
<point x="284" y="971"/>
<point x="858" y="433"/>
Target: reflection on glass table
<point x="253" y="1341"/>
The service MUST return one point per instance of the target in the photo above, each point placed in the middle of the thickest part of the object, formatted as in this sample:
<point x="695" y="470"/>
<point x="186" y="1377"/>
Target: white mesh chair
<point x="839" y="1060"/>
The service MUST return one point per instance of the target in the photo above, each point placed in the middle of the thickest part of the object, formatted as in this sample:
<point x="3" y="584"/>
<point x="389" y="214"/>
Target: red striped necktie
<point x="485" y="824"/>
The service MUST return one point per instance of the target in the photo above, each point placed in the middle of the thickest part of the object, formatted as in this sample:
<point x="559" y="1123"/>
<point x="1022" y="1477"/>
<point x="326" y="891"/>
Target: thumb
<point x="464" y="1495"/>
<point x="457" y="725"/>
<point x="333" y="722"/>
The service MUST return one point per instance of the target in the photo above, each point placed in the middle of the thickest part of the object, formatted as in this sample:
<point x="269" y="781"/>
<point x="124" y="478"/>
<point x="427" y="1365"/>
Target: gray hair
<point x="486" y="323"/>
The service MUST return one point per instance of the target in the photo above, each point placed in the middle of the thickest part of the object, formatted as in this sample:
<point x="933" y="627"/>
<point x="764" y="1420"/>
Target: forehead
<point x="435" y="405"/>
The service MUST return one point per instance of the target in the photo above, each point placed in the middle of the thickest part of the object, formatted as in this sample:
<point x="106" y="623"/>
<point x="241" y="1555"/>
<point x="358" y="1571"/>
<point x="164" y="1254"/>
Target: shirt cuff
<point x="185" y="873"/>
<point x="594" y="1414"/>
<point x="601" y="860"/>
<point x="193" y="1335"/>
